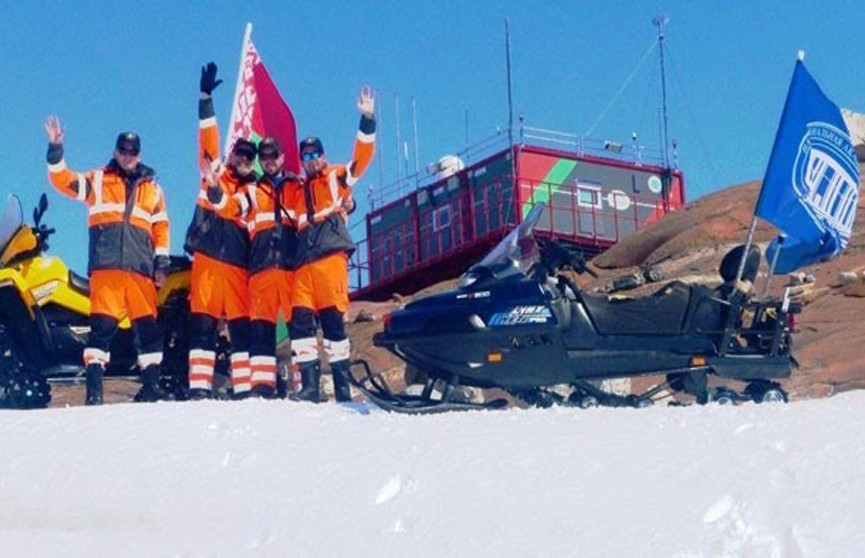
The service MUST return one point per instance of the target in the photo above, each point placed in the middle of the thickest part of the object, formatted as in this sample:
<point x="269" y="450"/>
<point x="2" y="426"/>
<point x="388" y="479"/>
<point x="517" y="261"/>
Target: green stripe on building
<point x="558" y="173"/>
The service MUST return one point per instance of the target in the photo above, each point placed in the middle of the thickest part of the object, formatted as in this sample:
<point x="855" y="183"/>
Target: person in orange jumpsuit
<point x="321" y="204"/>
<point x="271" y="258"/>
<point x="128" y="254"/>
<point x="220" y="248"/>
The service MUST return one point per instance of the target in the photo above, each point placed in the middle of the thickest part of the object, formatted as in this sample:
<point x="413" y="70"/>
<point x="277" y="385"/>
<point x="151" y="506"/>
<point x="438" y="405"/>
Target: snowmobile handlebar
<point x="555" y="256"/>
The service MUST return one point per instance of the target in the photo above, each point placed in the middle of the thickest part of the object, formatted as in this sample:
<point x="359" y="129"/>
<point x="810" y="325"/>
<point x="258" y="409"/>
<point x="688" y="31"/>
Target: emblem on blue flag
<point x="811" y="187"/>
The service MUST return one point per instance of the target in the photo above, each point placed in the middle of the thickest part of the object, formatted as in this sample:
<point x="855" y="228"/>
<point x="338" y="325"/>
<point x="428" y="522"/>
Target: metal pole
<point x="748" y="243"/>
<point x="398" y="144"/>
<point x="510" y="88"/>
<point x="660" y="21"/>
<point x="511" y="112"/>
<point x="414" y="125"/>
<point x="765" y="293"/>
<point x="379" y="150"/>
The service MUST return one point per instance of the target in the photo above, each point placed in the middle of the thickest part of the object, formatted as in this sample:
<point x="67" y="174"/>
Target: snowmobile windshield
<point x="515" y="255"/>
<point x="10" y="221"/>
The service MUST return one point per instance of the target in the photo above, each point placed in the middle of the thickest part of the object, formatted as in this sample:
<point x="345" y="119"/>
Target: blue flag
<point x="811" y="187"/>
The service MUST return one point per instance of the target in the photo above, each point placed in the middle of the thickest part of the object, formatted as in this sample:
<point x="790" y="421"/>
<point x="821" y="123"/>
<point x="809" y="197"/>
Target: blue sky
<point x="110" y="66"/>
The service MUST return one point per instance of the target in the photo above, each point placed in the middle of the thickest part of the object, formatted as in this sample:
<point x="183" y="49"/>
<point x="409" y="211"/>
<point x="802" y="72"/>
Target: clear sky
<point x="104" y="67"/>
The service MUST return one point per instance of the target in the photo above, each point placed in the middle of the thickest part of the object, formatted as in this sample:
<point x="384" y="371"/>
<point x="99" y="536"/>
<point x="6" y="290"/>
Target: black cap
<point x="311" y="143"/>
<point x="244" y="147"/>
<point x="128" y="141"/>
<point x="269" y="147"/>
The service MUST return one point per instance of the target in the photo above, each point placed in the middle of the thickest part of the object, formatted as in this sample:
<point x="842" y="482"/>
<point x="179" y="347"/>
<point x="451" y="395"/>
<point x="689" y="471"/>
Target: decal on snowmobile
<point x="478" y="294"/>
<point x="522" y="315"/>
<point x="42" y="292"/>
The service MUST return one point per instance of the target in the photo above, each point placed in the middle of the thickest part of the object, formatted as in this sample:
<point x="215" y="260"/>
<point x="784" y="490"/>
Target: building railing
<point x="632" y="152"/>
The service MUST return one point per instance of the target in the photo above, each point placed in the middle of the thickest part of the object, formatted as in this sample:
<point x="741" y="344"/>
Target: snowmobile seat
<point x="79" y="283"/>
<point x="662" y="313"/>
<point x="711" y="309"/>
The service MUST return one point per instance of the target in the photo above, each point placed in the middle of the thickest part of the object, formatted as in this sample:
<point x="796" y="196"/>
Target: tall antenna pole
<point x="414" y="125"/>
<point x="398" y="140"/>
<point x="510" y="107"/>
<point x="660" y="21"/>
<point x="510" y="88"/>
<point x="379" y="152"/>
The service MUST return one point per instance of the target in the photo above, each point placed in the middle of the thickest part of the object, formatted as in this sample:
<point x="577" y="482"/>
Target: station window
<point x="441" y="218"/>
<point x="588" y="196"/>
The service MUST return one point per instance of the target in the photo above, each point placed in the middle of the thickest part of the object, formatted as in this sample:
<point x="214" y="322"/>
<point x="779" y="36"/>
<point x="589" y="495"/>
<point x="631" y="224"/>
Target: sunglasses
<point x="243" y="158"/>
<point x="310" y="156"/>
<point x="128" y="152"/>
<point x="268" y="156"/>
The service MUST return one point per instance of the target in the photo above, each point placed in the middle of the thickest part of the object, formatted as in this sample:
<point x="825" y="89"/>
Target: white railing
<point x="633" y="153"/>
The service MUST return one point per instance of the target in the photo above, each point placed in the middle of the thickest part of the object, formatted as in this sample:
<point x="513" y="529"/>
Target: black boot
<point x="310" y="376"/>
<point x="341" y="385"/>
<point x="262" y="391"/>
<point x="93" y="375"/>
<point x="150" y="390"/>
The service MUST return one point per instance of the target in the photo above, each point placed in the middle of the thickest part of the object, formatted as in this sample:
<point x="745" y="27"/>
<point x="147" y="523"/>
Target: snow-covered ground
<point x="274" y="478"/>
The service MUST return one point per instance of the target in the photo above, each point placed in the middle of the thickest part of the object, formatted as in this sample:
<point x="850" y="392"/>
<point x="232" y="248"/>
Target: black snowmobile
<point x="518" y="323"/>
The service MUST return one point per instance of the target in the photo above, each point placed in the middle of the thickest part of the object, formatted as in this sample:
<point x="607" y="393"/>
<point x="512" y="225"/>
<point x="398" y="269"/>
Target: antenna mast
<point x="414" y="126"/>
<point x="510" y="106"/>
<point x="510" y="89"/>
<point x="398" y="142"/>
<point x="660" y="21"/>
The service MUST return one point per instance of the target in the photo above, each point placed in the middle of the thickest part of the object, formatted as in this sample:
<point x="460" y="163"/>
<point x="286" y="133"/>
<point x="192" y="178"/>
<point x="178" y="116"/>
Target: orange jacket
<point x="272" y="246"/>
<point x="318" y="203"/>
<point x="128" y="222"/>
<point x="211" y="232"/>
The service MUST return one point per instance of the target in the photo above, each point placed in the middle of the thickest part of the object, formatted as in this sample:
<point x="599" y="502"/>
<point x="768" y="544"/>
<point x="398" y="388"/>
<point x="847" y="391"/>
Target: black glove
<point x="208" y="78"/>
<point x="214" y="194"/>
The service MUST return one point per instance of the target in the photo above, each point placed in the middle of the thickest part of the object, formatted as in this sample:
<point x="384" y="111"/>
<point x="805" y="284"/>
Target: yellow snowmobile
<point x="45" y="316"/>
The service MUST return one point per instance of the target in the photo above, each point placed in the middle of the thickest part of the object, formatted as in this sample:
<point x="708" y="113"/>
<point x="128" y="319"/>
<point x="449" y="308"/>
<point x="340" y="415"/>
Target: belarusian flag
<point x="259" y="110"/>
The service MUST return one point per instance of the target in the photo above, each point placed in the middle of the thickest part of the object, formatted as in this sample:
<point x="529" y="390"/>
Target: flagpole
<point x="748" y="243"/>
<point x="772" y="265"/>
<point x="237" y="89"/>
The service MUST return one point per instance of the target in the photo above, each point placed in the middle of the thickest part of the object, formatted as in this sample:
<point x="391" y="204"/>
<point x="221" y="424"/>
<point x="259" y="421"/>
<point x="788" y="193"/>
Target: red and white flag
<point x="258" y="110"/>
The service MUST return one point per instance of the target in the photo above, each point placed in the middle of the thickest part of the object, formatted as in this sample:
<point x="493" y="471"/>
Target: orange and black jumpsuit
<point x="323" y="248"/>
<point x="129" y="242"/>
<point x="219" y="246"/>
<point x="271" y="268"/>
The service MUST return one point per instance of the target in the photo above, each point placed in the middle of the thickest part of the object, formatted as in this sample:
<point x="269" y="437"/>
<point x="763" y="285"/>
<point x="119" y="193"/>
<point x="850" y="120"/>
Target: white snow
<point x="275" y="478"/>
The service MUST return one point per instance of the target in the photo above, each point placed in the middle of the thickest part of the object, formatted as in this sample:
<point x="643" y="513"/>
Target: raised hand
<point x="208" y="78"/>
<point x="211" y="171"/>
<point x="366" y="102"/>
<point x="54" y="129"/>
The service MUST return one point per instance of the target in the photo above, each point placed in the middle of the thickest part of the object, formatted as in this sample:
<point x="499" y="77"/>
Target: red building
<point x="596" y="194"/>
